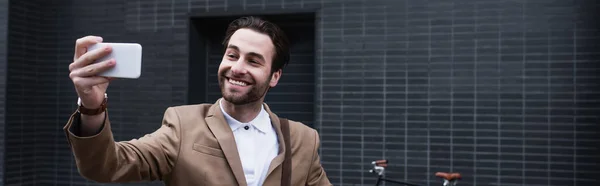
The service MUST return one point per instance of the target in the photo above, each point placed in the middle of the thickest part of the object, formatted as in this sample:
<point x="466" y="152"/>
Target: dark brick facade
<point x="502" y="91"/>
<point x="3" y="67"/>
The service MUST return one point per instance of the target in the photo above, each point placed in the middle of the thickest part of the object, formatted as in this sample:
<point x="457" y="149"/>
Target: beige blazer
<point x="194" y="146"/>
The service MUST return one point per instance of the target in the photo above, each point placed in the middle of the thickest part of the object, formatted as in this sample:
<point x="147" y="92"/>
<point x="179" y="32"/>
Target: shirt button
<point x="246" y="127"/>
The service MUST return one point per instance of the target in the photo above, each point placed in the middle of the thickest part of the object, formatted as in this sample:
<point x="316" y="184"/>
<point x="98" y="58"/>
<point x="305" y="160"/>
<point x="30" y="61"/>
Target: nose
<point x="238" y="67"/>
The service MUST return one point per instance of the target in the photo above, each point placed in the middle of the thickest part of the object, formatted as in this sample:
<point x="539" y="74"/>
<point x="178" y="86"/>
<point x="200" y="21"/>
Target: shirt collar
<point x="262" y="122"/>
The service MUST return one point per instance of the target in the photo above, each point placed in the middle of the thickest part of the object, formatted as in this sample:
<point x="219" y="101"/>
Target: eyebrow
<point x="249" y="53"/>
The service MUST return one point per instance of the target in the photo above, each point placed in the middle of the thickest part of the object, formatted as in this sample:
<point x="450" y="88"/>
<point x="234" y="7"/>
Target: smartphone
<point x="128" y="57"/>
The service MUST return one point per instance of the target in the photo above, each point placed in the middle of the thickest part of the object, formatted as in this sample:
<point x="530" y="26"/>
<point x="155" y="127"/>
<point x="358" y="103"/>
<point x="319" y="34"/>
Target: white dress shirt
<point x="256" y="143"/>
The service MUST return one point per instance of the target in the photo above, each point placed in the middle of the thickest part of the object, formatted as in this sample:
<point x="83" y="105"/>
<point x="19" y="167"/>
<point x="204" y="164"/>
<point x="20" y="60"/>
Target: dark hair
<point x="280" y="40"/>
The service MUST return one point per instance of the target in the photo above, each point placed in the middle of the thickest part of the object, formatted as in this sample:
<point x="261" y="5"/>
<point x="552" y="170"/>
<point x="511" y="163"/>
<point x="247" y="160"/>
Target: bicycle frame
<point x="450" y="179"/>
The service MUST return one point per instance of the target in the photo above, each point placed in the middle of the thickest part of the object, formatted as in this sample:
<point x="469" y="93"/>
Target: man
<point x="237" y="140"/>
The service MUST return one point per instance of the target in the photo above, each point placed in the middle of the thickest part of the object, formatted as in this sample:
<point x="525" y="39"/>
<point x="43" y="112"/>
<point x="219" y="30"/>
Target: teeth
<point x="237" y="82"/>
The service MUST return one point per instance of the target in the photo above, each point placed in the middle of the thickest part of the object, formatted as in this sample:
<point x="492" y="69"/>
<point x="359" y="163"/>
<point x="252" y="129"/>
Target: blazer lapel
<point x="219" y="127"/>
<point x="273" y="178"/>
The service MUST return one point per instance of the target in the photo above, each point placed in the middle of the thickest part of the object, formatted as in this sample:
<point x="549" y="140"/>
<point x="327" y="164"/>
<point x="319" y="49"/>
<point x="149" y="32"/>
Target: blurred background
<point x="503" y="91"/>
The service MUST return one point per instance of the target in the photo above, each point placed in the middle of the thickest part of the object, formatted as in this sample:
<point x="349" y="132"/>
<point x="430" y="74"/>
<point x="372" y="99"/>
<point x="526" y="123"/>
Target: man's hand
<point x="90" y="87"/>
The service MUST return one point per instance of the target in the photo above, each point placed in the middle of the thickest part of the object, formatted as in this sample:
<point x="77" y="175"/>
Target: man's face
<point x="245" y="71"/>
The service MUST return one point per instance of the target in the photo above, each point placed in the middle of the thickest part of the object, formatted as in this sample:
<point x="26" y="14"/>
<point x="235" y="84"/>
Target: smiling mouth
<point x="238" y="83"/>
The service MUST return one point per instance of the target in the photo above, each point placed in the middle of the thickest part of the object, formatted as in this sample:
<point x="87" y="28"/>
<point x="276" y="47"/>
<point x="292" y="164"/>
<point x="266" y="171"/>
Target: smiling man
<point x="237" y="140"/>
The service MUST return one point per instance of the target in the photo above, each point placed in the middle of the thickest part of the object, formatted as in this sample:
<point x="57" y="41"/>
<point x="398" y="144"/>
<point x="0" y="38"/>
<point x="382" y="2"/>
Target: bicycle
<point x="450" y="178"/>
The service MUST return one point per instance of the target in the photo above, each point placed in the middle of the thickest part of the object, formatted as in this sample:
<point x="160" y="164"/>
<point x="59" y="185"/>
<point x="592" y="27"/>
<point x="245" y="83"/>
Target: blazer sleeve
<point x="101" y="159"/>
<point x="316" y="174"/>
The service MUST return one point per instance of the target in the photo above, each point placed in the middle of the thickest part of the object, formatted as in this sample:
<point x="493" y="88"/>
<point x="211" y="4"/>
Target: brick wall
<point x="29" y="93"/>
<point x="502" y="91"/>
<point x="3" y="64"/>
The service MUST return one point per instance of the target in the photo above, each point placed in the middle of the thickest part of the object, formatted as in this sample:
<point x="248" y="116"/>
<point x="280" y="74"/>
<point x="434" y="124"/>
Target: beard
<point x="255" y="92"/>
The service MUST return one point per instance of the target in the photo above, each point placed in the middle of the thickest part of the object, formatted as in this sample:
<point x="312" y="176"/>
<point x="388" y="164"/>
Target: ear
<point x="275" y="78"/>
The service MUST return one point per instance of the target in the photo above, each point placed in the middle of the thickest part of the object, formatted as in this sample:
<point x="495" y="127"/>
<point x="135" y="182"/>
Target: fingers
<point x="89" y="57"/>
<point x="83" y="43"/>
<point x="92" y="70"/>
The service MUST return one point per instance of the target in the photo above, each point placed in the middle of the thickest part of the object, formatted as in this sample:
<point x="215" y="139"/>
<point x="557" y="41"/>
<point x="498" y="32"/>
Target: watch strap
<point x="95" y="111"/>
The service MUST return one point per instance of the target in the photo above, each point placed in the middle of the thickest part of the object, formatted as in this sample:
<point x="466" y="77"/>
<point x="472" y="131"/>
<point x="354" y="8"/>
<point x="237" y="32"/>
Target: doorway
<point x="294" y="95"/>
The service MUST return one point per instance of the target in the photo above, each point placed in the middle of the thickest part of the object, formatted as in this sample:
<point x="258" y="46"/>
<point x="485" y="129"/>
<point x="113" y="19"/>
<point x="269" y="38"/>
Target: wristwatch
<point x="95" y="111"/>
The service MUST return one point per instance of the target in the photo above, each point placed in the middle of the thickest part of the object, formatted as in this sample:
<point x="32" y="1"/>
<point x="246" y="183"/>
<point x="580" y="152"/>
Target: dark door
<point x="292" y="98"/>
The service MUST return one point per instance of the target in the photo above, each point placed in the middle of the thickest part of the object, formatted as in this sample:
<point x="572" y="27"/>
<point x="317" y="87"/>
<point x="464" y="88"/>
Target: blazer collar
<point x="222" y="131"/>
<point x="260" y="122"/>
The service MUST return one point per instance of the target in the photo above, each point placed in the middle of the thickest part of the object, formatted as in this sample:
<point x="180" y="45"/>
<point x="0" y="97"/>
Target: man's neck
<point x="243" y="113"/>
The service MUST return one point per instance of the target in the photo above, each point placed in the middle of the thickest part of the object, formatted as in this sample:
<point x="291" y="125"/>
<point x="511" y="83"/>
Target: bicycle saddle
<point x="450" y="176"/>
<point x="381" y="163"/>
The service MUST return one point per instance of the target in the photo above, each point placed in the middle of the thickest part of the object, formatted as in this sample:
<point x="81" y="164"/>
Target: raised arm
<point x="88" y="130"/>
<point x="148" y="158"/>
